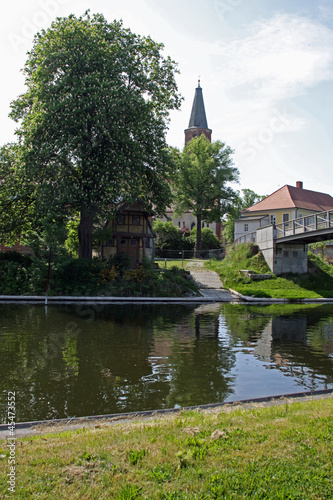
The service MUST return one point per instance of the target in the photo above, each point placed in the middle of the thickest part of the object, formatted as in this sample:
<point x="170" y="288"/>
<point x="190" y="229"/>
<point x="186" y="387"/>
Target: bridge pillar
<point x="282" y="257"/>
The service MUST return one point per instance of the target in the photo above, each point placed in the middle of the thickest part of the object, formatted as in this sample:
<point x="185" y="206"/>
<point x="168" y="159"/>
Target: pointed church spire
<point x="198" y="121"/>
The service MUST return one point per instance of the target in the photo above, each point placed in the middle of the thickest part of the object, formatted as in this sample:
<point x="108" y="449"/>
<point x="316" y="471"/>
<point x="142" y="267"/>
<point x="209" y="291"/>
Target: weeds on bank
<point x="278" y="452"/>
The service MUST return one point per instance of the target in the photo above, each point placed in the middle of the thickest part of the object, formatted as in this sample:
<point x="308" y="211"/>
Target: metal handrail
<point x="307" y="223"/>
<point x="246" y="238"/>
<point x="312" y="222"/>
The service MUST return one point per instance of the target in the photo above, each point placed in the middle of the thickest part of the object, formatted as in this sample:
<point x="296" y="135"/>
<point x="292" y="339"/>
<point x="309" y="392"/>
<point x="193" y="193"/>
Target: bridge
<point x="284" y="245"/>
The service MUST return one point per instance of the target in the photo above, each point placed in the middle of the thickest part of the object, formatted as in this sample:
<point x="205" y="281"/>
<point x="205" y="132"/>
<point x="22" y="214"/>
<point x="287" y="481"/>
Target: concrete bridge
<point x="284" y="245"/>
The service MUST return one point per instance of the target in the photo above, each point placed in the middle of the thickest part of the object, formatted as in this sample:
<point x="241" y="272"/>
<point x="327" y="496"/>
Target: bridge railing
<point x="313" y="222"/>
<point x="246" y="238"/>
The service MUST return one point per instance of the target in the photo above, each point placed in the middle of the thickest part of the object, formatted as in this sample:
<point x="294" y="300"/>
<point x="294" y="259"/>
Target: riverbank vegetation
<point x="276" y="452"/>
<point x="27" y="275"/>
<point x="318" y="282"/>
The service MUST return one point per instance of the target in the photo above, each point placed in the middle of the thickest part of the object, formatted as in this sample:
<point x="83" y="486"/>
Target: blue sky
<point x="266" y="69"/>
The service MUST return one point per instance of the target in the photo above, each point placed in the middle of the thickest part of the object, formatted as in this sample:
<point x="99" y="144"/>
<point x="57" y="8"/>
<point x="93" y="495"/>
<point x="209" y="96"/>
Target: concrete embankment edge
<point x="101" y="300"/>
<point x="268" y="300"/>
<point x="236" y="297"/>
<point x="76" y="422"/>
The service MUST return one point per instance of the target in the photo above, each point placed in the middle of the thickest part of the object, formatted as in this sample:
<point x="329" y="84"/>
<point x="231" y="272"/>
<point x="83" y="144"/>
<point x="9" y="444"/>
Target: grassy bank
<point x="276" y="452"/>
<point x="185" y="263"/>
<point x="318" y="282"/>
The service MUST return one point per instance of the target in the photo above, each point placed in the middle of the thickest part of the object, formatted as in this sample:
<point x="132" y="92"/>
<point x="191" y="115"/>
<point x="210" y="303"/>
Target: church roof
<point x="198" y="115"/>
<point x="293" y="197"/>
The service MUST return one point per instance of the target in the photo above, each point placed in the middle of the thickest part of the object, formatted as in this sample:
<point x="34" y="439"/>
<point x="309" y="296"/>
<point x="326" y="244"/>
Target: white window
<point x="246" y="227"/>
<point x="272" y="219"/>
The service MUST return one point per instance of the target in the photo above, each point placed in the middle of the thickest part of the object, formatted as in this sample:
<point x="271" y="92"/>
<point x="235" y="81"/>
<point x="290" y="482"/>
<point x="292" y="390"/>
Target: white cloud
<point x="280" y="58"/>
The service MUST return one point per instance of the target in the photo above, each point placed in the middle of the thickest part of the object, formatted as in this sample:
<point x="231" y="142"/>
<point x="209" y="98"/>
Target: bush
<point x="13" y="278"/>
<point x="76" y="277"/>
<point x="209" y="240"/>
<point x="81" y="277"/>
<point x="24" y="260"/>
<point x="170" y="239"/>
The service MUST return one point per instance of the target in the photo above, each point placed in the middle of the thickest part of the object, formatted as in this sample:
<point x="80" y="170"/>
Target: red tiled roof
<point x="293" y="197"/>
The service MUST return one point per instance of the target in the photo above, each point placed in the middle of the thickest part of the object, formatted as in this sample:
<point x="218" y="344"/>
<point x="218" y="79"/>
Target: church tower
<point x="198" y="121"/>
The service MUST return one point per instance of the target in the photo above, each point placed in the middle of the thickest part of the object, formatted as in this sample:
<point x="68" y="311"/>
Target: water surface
<point x="65" y="361"/>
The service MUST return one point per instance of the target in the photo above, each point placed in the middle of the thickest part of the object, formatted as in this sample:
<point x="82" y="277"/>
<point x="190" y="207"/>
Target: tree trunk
<point x="197" y="253"/>
<point x="85" y="233"/>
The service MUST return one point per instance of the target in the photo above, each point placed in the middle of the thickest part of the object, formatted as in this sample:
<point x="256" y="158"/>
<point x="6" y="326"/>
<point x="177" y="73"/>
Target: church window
<point x="179" y="223"/>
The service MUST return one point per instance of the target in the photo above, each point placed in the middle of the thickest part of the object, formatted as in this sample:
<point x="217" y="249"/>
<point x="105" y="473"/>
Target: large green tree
<point x="201" y="182"/>
<point x="92" y="121"/>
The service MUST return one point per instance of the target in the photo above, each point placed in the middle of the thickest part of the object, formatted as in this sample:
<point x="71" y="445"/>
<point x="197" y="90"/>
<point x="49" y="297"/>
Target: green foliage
<point x="13" y="278"/>
<point x="241" y="201"/>
<point x="81" y="277"/>
<point x="92" y="125"/>
<point x="121" y="261"/>
<point x="170" y="237"/>
<point x="49" y="234"/>
<point x="84" y="277"/>
<point x="24" y="260"/>
<point x="72" y="240"/>
<point x="245" y="256"/>
<point x="135" y="455"/>
<point x="204" y="169"/>
<point x="209" y="240"/>
<point x="16" y="204"/>
<point x="129" y="492"/>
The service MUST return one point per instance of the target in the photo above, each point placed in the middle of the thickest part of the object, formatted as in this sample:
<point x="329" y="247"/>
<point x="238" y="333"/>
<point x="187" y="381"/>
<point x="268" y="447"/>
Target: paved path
<point x="206" y="279"/>
<point x="210" y="285"/>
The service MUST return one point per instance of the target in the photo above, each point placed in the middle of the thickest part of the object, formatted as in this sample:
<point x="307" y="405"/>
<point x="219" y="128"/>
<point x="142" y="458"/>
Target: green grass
<point x="277" y="452"/>
<point x="317" y="283"/>
<point x="186" y="263"/>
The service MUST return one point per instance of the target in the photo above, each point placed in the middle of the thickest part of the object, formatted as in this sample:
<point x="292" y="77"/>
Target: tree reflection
<point x="80" y="360"/>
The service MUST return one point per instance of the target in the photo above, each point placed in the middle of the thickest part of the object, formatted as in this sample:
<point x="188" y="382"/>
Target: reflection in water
<point x="83" y="360"/>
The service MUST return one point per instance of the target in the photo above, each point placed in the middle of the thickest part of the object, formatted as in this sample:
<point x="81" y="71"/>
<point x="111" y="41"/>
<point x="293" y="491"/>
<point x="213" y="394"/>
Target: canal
<point x="66" y="361"/>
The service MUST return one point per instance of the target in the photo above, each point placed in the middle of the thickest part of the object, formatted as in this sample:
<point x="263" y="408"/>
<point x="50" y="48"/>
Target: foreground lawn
<point x="317" y="283"/>
<point x="277" y="452"/>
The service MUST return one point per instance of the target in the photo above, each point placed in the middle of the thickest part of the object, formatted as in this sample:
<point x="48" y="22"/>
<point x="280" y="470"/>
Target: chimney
<point x="299" y="184"/>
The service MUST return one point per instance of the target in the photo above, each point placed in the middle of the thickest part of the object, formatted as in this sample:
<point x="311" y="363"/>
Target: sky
<point x="265" y="67"/>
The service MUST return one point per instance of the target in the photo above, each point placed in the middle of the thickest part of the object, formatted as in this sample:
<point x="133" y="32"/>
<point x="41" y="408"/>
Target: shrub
<point x="24" y="260"/>
<point x="209" y="240"/>
<point x="13" y="278"/>
<point x="81" y="277"/>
